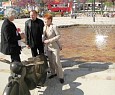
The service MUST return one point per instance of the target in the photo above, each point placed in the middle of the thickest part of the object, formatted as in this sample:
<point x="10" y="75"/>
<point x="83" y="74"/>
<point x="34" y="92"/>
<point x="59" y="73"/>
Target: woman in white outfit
<point x="52" y="36"/>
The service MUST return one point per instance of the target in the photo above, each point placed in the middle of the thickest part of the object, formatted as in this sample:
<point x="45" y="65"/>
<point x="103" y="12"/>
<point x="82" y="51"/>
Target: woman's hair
<point x="10" y="12"/>
<point x="48" y="16"/>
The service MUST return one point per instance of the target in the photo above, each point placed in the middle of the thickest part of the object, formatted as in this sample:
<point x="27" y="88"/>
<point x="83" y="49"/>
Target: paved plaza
<point x="81" y="78"/>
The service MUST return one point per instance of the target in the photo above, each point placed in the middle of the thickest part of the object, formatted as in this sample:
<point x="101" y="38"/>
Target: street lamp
<point x="93" y="5"/>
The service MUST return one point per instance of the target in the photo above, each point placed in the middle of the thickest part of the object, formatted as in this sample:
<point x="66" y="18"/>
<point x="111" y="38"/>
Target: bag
<point x="36" y="73"/>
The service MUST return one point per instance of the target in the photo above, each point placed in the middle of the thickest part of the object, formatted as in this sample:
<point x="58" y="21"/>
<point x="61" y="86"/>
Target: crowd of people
<point x="41" y="36"/>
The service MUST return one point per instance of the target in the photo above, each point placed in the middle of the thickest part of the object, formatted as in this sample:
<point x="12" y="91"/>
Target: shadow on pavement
<point x="69" y="62"/>
<point x="55" y="88"/>
<point x="72" y="71"/>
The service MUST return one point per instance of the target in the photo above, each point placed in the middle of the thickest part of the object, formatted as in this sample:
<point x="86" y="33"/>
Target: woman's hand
<point x="46" y="41"/>
<point x="28" y="46"/>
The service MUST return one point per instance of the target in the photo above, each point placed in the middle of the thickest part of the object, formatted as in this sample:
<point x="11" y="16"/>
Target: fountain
<point x="101" y="35"/>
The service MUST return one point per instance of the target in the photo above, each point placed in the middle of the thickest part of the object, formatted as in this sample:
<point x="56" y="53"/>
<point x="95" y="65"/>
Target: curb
<point x="83" y="25"/>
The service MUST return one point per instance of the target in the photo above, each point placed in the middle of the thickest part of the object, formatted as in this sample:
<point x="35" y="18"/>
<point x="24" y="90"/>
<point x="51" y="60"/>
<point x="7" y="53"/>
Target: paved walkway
<point x="64" y="21"/>
<point x="81" y="78"/>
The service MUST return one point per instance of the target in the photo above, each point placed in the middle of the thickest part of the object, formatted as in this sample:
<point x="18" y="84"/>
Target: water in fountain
<point x="101" y="35"/>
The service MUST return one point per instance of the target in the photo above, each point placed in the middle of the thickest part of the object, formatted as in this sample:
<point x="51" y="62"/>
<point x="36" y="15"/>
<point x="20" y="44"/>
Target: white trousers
<point x="55" y="64"/>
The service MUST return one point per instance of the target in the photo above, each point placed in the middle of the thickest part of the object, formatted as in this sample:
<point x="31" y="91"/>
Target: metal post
<point x="93" y="10"/>
<point x="113" y="6"/>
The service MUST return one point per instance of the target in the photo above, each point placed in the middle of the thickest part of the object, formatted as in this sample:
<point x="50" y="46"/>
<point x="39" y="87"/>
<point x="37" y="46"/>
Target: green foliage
<point x="3" y="0"/>
<point x="108" y="4"/>
<point x="89" y="1"/>
<point x="54" y="13"/>
<point x="1" y="17"/>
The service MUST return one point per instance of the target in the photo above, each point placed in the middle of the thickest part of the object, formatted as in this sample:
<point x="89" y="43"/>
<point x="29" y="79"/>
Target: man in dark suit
<point x="10" y="36"/>
<point x="34" y="31"/>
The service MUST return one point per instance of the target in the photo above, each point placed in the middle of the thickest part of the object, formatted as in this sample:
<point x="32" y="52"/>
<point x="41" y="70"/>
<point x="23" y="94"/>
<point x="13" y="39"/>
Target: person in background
<point x="62" y="13"/>
<point x="33" y="33"/>
<point x="51" y="41"/>
<point x="10" y="36"/>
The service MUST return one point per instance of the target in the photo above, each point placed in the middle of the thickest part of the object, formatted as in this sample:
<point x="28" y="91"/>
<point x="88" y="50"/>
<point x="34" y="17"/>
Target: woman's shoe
<point x="61" y="80"/>
<point x="52" y="76"/>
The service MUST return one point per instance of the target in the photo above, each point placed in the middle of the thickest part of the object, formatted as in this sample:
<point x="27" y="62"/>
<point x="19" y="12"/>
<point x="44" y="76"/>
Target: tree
<point x="23" y="2"/>
<point x="3" y="0"/>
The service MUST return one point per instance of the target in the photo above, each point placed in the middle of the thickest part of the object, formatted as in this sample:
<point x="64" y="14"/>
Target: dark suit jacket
<point x="28" y="31"/>
<point x="9" y="38"/>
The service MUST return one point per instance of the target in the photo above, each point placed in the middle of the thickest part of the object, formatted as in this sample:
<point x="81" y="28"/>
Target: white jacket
<point x="53" y="36"/>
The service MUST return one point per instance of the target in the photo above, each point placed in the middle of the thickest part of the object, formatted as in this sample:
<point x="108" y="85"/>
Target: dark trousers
<point x="35" y="51"/>
<point x="15" y="58"/>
